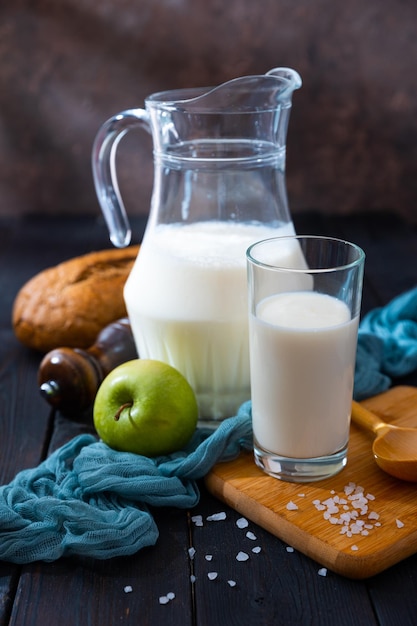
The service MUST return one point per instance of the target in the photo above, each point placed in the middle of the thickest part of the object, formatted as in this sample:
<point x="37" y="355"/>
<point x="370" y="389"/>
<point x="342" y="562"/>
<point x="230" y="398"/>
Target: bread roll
<point x="69" y="304"/>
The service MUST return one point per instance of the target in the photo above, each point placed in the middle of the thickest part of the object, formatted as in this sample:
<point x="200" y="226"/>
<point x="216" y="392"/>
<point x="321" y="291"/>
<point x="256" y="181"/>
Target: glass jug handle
<point x="104" y="171"/>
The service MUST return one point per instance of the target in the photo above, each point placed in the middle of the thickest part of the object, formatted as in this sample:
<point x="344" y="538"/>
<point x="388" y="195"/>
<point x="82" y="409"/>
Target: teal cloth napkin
<point x="88" y="500"/>
<point x="387" y="345"/>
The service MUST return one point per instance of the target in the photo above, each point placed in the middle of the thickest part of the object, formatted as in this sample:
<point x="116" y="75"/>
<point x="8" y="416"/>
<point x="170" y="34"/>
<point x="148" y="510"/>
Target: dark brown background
<point x="68" y="65"/>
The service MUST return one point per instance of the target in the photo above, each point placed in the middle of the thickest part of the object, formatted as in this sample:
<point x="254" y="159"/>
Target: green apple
<point x="146" y="407"/>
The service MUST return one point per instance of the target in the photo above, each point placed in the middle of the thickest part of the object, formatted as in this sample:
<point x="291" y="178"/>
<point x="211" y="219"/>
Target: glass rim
<point x="344" y="266"/>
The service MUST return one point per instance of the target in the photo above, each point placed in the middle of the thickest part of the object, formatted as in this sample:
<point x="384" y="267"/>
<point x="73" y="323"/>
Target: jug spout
<point x="291" y="79"/>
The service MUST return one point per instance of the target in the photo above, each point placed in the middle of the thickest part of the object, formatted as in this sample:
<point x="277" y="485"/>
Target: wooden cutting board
<point x="392" y="532"/>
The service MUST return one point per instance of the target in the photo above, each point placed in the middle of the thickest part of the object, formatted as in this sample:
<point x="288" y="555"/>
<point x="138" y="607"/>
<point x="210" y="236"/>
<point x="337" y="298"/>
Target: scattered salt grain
<point x="128" y="589"/>
<point x="301" y="495"/>
<point x="231" y="583"/>
<point x="242" y="522"/>
<point x="291" y="506"/>
<point x="198" y="520"/>
<point x="191" y="553"/>
<point x="322" y="571"/>
<point x="242" y="556"/>
<point x="373" y="515"/>
<point x="289" y="549"/>
<point x="192" y="578"/>
<point x="165" y="599"/>
<point x="209" y="557"/>
<point x="216" y="517"/>
<point x="212" y="575"/>
<point x="350" y="488"/>
<point x="399" y="523"/>
<point x="250" y="535"/>
<point x="354" y="548"/>
<point x="256" y="549"/>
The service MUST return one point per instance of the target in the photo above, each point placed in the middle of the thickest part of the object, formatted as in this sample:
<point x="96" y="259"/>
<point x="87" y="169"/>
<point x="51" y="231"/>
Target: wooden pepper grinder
<point x="69" y="378"/>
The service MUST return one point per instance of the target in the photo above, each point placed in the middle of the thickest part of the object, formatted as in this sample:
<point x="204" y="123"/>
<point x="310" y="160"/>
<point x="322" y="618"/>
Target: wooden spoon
<point x="394" y="449"/>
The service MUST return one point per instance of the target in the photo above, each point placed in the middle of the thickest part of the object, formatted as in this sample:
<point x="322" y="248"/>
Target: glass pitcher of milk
<point x="219" y="186"/>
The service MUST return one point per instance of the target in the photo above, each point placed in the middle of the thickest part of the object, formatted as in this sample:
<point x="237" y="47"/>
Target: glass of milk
<point x="304" y="304"/>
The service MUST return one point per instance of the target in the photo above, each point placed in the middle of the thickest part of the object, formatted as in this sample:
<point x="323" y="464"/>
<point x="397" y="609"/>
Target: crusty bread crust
<point x="69" y="304"/>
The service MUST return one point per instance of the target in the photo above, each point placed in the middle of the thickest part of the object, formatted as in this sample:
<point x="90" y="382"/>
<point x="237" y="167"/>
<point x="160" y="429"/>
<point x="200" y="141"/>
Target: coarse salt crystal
<point x="167" y="598"/>
<point x="355" y="529"/>
<point x="250" y="535"/>
<point x="359" y="504"/>
<point x="399" y="523"/>
<point x="209" y="557"/>
<point x="242" y="556"/>
<point x="231" y="583"/>
<point x="197" y="519"/>
<point x="354" y="548"/>
<point x="301" y="495"/>
<point x="333" y="509"/>
<point x="192" y="578"/>
<point x="242" y="522"/>
<point x="291" y="506"/>
<point x="128" y="589"/>
<point x="373" y="515"/>
<point x="322" y="571"/>
<point x="370" y="496"/>
<point x="216" y="517"/>
<point x="256" y="549"/>
<point x="212" y="575"/>
<point x="191" y="553"/>
<point x="289" y="549"/>
<point x="355" y="496"/>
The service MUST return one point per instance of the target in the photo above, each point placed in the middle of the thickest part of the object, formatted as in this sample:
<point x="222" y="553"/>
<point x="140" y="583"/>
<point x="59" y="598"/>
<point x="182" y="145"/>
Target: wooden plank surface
<point x="279" y="588"/>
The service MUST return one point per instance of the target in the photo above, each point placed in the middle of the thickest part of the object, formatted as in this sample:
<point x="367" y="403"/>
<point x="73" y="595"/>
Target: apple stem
<point x="119" y="412"/>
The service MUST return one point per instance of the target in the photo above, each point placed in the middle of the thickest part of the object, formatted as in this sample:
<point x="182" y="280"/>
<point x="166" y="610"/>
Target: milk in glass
<point x="186" y="298"/>
<point x="303" y="347"/>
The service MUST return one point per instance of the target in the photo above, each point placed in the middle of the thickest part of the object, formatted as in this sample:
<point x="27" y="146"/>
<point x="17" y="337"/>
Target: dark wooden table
<point x="276" y="587"/>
